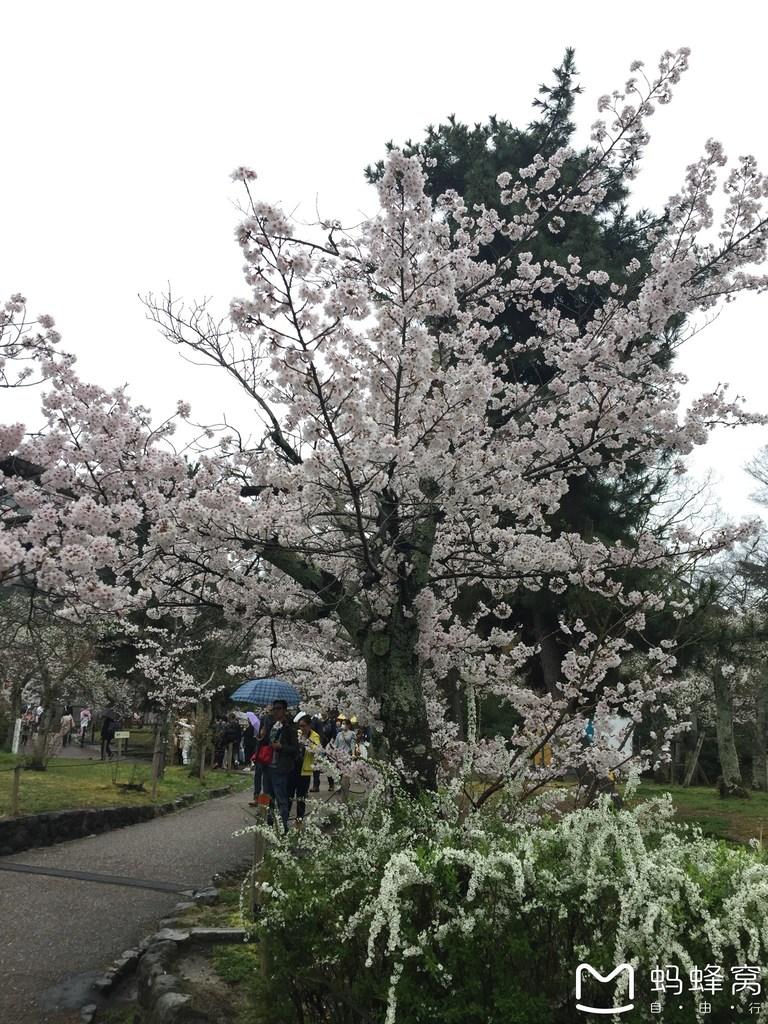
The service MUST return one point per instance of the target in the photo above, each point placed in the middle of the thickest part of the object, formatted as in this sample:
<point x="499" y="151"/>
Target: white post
<point x="16" y="736"/>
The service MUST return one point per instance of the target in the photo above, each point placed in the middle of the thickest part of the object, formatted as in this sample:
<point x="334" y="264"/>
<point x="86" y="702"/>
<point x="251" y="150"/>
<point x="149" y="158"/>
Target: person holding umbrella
<point x="281" y="733"/>
<point x="260" y="754"/>
<point x="278" y="771"/>
<point x="263" y="691"/>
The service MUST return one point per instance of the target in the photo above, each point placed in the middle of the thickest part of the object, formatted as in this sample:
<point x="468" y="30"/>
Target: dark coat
<point x="249" y="741"/>
<point x="289" y="748"/>
<point x="232" y="734"/>
<point x="328" y="732"/>
<point x="108" y="728"/>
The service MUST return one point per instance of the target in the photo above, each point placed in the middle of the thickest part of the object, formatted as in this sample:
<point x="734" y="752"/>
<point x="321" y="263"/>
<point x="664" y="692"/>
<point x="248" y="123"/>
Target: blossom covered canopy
<point x="401" y="464"/>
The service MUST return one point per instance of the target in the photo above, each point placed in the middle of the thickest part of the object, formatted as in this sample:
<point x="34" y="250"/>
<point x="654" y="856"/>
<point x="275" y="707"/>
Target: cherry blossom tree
<point x="720" y="648"/>
<point x="23" y="341"/>
<point x="46" y="660"/>
<point x="394" y="466"/>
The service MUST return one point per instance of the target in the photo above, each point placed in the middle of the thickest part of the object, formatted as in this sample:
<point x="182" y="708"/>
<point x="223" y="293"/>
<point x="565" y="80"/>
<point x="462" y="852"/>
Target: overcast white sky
<point x="123" y="122"/>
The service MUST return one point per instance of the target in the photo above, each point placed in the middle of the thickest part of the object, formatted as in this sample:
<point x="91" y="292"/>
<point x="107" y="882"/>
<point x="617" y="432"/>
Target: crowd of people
<point x="71" y="727"/>
<point x="68" y="729"/>
<point x="281" y="748"/>
<point x="31" y="718"/>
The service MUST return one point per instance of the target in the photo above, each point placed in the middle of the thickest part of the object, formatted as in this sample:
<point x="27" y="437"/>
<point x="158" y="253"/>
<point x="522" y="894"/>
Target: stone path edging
<point x="160" y="993"/>
<point x="51" y="827"/>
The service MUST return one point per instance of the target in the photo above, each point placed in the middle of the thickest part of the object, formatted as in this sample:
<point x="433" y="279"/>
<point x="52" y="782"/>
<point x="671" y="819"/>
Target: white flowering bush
<point x="404" y="912"/>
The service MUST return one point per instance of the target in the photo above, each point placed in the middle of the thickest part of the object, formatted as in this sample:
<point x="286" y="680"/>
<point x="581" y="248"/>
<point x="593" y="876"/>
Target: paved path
<point x="89" y="752"/>
<point x="54" y="930"/>
<point x="73" y="751"/>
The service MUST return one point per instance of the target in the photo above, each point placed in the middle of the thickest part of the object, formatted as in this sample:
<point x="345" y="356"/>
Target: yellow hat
<point x="353" y="720"/>
<point x="341" y="718"/>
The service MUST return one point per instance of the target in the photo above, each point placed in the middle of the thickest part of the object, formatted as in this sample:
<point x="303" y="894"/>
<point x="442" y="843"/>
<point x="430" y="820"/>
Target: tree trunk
<point x="394" y="677"/>
<point x="674" y="758"/>
<point x="455" y="699"/>
<point x="550" y="657"/>
<point x="41" y="742"/>
<point x="14" y="702"/>
<point x="692" y="762"/>
<point x="690" y="743"/>
<point x="158" y="754"/>
<point x="458" y="699"/>
<point x="731" y="780"/>
<point x="760" y="735"/>
<point x="200" y="737"/>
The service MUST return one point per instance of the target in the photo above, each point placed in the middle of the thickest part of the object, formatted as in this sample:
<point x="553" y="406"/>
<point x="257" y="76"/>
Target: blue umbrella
<point x="264" y="691"/>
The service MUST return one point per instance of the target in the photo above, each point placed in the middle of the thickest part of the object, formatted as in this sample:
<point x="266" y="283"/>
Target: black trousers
<point x="300" y="786"/>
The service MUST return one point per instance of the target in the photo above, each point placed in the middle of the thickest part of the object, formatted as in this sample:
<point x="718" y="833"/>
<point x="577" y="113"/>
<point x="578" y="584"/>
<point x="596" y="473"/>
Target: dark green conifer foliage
<point x="468" y="159"/>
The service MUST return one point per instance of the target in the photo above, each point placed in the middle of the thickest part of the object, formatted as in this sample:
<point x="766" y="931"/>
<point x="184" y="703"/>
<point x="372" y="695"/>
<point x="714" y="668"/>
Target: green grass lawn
<point x="141" y="742"/>
<point x="240" y="967"/>
<point x="69" y="784"/>
<point x="732" y="819"/>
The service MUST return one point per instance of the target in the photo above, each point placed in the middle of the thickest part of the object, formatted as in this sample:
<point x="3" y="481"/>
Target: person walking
<point x="217" y="734"/>
<point x="345" y="737"/>
<point x="361" y="745"/>
<point x="250" y="736"/>
<point x="260" y="758"/>
<point x="309" y="745"/>
<point x="85" y="724"/>
<point x="66" y="726"/>
<point x="263" y="760"/>
<point x="27" y="727"/>
<point x="328" y="738"/>
<point x="345" y="742"/>
<point x="176" y="744"/>
<point x="108" y="730"/>
<point x="231" y="737"/>
<point x="284" y="742"/>
<point x="317" y="725"/>
<point x="182" y="741"/>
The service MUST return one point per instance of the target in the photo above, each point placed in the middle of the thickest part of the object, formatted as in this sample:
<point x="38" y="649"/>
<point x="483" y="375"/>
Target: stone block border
<point x="160" y="992"/>
<point x="50" y="827"/>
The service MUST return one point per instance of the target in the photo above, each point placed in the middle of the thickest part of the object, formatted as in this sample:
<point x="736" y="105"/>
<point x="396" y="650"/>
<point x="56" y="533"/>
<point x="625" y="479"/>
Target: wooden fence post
<point x="258" y="852"/>
<point x="694" y="762"/>
<point x="15" y="791"/>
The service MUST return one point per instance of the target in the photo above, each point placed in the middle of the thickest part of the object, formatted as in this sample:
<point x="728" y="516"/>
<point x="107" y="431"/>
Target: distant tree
<point x="45" y="659"/>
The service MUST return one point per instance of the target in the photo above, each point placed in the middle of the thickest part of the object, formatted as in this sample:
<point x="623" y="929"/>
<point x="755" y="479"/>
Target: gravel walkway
<point x="58" y="933"/>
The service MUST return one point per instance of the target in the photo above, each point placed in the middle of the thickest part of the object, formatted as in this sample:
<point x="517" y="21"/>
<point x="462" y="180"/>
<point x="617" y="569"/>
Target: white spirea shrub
<point x="409" y="911"/>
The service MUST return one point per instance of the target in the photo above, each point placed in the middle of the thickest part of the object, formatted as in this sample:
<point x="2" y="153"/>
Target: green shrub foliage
<point x="403" y="911"/>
